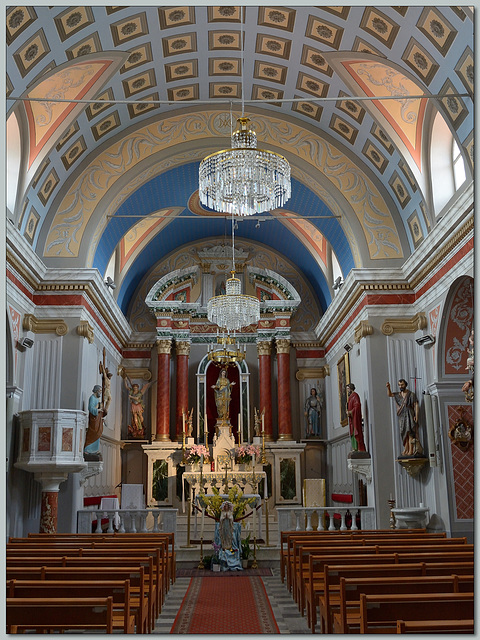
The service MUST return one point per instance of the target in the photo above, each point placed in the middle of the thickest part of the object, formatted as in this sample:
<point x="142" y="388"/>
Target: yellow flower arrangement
<point x="213" y="503"/>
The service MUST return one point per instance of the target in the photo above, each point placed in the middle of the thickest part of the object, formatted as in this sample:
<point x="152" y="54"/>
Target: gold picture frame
<point x="343" y="372"/>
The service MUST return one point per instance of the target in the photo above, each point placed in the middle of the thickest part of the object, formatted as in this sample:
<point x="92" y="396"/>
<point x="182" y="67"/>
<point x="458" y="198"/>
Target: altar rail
<point x="300" y="518"/>
<point x="128" y="520"/>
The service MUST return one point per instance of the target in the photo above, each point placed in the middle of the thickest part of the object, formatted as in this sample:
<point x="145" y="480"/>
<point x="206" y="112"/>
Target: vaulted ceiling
<point x="116" y="107"/>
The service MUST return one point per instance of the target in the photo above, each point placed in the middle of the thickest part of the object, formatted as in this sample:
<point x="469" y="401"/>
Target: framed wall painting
<point x="343" y="373"/>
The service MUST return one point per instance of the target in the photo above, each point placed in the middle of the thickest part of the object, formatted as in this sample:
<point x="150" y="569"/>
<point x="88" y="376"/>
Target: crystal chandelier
<point x="233" y="310"/>
<point x="228" y="353"/>
<point x="244" y="180"/>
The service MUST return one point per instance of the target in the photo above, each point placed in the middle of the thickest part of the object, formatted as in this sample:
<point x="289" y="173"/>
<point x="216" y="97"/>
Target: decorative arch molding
<point x="81" y="202"/>
<point x="367" y="74"/>
<point x="456" y="326"/>
<point x="78" y="79"/>
<point x="156" y="298"/>
<point x="200" y="256"/>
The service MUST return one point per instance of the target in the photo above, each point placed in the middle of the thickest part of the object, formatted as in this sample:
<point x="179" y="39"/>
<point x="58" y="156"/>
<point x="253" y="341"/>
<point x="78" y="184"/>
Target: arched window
<point x="458" y="165"/>
<point x="447" y="166"/>
<point x="13" y="162"/>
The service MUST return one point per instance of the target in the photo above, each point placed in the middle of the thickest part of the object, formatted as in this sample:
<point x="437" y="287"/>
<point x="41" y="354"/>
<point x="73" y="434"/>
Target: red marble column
<point x="284" y="401"/>
<point x="163" y="390"/>
<point x="183" y="352"/>
<point x="264" y="350"/>
<point x="49" y="512"/>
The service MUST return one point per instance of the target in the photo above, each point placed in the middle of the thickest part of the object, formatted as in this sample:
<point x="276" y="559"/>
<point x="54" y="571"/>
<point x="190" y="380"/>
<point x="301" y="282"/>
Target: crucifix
<point x="414" y="378"/>
<point x="225" y="488"/>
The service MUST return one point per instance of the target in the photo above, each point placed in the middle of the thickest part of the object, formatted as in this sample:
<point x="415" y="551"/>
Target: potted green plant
<point x="246" y="551"/>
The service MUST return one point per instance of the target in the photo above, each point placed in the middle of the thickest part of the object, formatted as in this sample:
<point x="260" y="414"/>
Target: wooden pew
<point x="347" y="620"/>
<point x="119" y="590"/>
<point x="150" y="591"/>
<point x="288" y="537"/>
<point x="325" y="593"/>
<point x="301" y="554"/>
<point x="344" y="558"/>
<point x="302" y="550"/>
<point x="135" y="538"/>
<point x="436" y="626"/>
<point x="298" y="558"/>
<point x="59" y="614"/>
<point x="135" y="575"/>
<point x="379" y="613"/>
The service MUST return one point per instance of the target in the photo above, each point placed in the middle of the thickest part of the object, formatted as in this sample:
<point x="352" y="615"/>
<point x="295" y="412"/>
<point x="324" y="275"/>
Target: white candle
<point x="205" y="429"/>
<point x="253" y="460"/>
<point x="201" y="459"/>
<point x="391" y="497"/>
<point x="239" y="429"/>
<point x="263" y="422"/>
<point x="203" y="521"/>
<point x="183" y="417"/>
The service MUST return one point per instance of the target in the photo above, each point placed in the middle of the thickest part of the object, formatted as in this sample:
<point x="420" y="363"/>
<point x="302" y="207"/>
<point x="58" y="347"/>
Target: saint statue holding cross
<point x="407" y="414"/>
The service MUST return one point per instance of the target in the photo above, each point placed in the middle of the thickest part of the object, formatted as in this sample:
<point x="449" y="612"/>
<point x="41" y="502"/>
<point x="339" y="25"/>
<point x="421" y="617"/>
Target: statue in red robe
<point x="354" y="413"/>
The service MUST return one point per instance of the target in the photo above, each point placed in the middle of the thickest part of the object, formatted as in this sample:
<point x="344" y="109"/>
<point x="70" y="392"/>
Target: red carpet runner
<point x="222" y="605"/>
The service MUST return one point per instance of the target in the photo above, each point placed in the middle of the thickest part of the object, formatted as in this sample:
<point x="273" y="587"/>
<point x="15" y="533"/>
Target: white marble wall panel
<point x="47" y="362"/>
<point x="342" y="477"/>
<point x="105" y="482"/>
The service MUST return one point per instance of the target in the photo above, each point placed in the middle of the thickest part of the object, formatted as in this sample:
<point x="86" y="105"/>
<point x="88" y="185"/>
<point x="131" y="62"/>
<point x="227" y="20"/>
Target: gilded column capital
<point x="164" y="347"/>
<point x="317" y="372"/>
<point x="44" y="325"/>
<point x="134" y="373"/>
<point x="283" y="345"/>
<point x="363" y="330"/>
<point x="183" y="348"/>
<point x="85" y="330"/>
<point x="404" y="325"/>
<point x="264" y="347"/>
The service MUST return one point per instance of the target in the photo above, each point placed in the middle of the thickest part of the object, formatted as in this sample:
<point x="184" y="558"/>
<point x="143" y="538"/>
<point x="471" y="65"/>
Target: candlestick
<point x="393" y="522"/>
<point x="203" y="522"/>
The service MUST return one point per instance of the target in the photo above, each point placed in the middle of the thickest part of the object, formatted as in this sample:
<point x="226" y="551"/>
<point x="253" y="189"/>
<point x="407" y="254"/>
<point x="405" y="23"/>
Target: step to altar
<point x="189" y="557"/>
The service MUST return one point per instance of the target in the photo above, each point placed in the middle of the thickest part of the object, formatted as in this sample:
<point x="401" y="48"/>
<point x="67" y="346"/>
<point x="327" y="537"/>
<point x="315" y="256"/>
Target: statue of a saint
<point x="137" y="427"/>
<point x="407" y="413"/>
<point x="354" y="413"/>
<point x="223" y="394"/>
<point x="95" y="425"/>
<point x="228" y="535"/>
<point x="106" y="382"/>
<point x="189" y="424"/>
<point x="313" y="413"/>
<point x="468" y="386"/>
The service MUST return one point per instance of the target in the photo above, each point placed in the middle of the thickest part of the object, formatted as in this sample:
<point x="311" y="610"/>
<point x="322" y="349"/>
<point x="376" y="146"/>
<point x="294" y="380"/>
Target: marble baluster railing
<point x="128" y="520"/>
<point x="297" y="518"/>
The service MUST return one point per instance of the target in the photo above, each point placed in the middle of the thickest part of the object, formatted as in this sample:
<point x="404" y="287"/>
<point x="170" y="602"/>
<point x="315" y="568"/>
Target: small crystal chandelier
<point x="244" y="180"/>
<point x="233" y="310"/>
<point x="229" y="352"/>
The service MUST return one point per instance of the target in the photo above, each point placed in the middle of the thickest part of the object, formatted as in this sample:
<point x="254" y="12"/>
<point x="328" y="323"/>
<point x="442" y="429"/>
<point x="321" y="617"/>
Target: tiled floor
<point x="284" y="608"/>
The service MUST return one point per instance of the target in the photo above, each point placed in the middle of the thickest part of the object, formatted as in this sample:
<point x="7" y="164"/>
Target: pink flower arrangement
<point x="245" y="452"/>
<point x="195" y="453"/>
